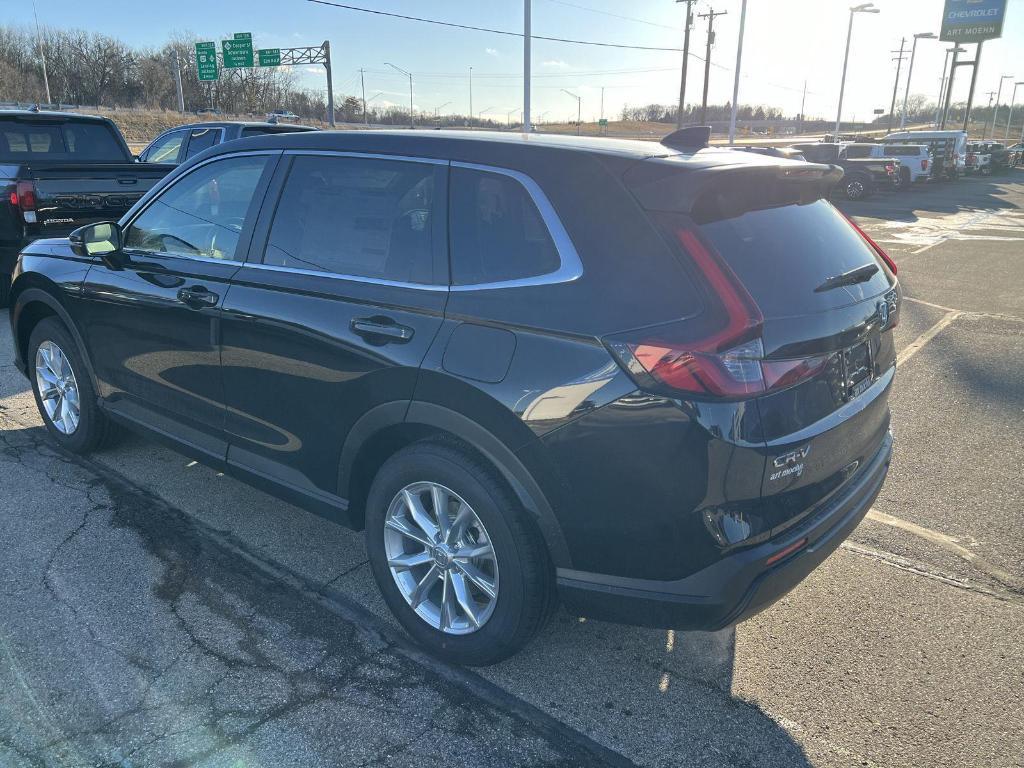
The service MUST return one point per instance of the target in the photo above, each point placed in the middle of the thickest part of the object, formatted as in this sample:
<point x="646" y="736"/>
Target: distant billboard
<point x="972" y="21"/>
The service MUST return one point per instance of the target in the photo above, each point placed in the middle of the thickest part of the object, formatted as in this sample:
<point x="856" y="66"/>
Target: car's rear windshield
<point x="27" y="141"/>
<point x="898" y="149"/>
<point x="784" y="255"/>
<point x="819" y="153"/>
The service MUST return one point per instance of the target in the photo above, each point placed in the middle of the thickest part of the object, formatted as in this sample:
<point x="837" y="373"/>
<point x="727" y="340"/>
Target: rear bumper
<point x="737" y="586"/>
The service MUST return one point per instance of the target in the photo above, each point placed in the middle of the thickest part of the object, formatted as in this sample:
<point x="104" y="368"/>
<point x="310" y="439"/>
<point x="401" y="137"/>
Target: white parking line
<point x="917" y="344"/>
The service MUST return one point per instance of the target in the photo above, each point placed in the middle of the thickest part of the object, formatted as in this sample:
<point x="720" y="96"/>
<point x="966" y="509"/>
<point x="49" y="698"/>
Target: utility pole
<point x="736" y="77"/>
<point x="895" y="86"/>
<point x="42" y="53"/>
<point x="470" y="97"/>
<point x="177" y="79"/>
<point x="710" y="16"/>
<point x="910" y="73"/>
<point x="330" y="83"/>
<point x="362" y="85"/>
<point x="686" y="57"/>
<point x="602" y="110"/>
<point x="526" y="65"/>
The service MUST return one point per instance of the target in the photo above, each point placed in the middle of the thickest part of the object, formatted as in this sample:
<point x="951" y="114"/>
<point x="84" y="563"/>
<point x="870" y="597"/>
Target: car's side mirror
<point x="101" y="240"/>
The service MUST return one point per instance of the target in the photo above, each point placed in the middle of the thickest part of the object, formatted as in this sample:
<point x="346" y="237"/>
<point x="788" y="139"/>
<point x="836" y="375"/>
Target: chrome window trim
<point x="350" y="278"/>
<point x="161" y="190"/>
<point x="570" y="267"/>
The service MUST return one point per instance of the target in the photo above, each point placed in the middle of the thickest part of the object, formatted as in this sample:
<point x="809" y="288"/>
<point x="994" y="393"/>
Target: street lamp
<point x="483" y="112"/>
<point x="412" y="118"/>
<point x="579" y="109"/>
<point x="910" y="73"/>
<point x="508" y="117"/>
<point x="942" y="83"/>
<point x="862" y="8"/>
<point x="439" y="108"/>
<point x="1013" y="98"/>
<point x="999" y="93"/>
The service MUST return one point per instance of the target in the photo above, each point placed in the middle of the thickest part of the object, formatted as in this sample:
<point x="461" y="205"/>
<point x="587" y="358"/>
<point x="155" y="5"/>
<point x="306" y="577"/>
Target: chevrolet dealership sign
<point x="972" y="21"/>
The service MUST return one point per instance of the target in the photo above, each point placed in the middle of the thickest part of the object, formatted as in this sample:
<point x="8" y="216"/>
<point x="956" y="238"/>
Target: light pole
<point x="863" y="8"/>
<point x="412" y="117"/>
<point x="736" y="79"/>
<point x="579" y="109"/>
<point x="999" y="93"/>
<point x="484" y="111"/>
<point x="942" y="83"/>
<point x="42" y="53"/>
<point x="508" y="117"/>
<point x="526" y="64"/>
<point x="470" y="97"/>
<point x="910" y="73"/>
<point x="1006" y="136"/>
<point x="438" y="109"/>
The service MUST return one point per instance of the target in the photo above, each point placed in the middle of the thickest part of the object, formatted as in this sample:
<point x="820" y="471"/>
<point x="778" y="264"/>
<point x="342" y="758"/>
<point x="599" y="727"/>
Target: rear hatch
<point x="807" y="306"/>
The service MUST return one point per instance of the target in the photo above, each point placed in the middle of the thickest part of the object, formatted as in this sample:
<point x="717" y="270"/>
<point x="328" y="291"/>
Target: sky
<point x="786" y="43"/>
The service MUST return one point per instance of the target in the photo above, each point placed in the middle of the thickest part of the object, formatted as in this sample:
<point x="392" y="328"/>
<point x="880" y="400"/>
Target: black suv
<point x="650" y="381"/>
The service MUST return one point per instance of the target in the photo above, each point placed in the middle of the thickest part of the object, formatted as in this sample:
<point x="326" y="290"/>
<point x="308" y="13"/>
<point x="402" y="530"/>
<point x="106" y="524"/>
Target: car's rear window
<point x="25" y="141"/>
<point x="781" y="255"/>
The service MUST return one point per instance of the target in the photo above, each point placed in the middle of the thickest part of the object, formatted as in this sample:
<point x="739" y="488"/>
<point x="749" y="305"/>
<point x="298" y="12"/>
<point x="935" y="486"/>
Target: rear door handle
<point x="382" y="330"/>
<point x="198" y="296"/>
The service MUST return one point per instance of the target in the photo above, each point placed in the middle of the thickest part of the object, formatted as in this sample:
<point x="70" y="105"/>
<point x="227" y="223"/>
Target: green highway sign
<point x="269" y="57"/>
<point x="206" y="60"/>
<point x="242" y="36"/>
<point x="237" y="52"/>
<point x="602" y="122"/>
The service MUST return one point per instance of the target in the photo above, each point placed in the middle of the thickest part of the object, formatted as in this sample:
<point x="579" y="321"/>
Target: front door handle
<point x="198" y="296"/>
<point x="381" y="330"/>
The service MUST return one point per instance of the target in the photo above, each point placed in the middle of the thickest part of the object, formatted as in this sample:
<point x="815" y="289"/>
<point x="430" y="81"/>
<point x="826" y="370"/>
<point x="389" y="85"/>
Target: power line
<point x="613" y="15"/>
<point x="507" y="32"/>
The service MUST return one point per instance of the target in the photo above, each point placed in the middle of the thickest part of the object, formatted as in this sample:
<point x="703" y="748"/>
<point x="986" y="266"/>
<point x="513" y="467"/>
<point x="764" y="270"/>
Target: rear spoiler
<point x="719" y="191"/>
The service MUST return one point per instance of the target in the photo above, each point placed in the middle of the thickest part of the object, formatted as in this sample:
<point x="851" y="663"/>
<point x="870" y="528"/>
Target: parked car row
<point x="900" y="160"/>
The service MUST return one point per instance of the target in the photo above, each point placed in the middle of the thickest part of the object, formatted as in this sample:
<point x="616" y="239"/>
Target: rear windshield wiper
<point x="854" y="276"/>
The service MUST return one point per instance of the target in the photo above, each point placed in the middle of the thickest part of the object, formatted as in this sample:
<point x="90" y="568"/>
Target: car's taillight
<point x="26" y="194"/>
<point x="924" y="164"/>
<point x="885" y="257"/>
<point x="724" y="361"/>
<point x="14" y="198"/>
<point x="890" y="168"/>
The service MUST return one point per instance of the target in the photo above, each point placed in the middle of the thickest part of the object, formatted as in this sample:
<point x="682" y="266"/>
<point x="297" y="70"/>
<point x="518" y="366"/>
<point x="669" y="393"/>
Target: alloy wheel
<point x="57" y="387"/>
<point x="441" y="558"/>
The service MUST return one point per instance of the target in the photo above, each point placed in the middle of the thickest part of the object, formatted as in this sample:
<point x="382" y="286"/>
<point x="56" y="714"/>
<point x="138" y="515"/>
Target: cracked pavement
<point x="155" y="613"/>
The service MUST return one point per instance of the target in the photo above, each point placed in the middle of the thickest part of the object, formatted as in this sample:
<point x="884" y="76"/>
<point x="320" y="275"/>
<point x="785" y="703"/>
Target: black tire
<point x="5" y="289"/>
<point x="94" y="429"/>
<point x="526" y="585"/>
<point x="906" y="182"/>
<point x="856" y="187"/>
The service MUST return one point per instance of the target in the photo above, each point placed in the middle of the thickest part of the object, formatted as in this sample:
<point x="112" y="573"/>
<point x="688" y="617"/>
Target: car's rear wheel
<point x="906" y="182"/>
<point x="62" y="389"/>
<point x="455" y="557"/>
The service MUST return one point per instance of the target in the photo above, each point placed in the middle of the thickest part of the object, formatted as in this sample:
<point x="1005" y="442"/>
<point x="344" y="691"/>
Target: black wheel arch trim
<point x="36" y="294"/>
<point x="491" y="447"/>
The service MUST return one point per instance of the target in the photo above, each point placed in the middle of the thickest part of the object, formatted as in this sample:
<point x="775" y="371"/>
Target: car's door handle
<point x="198" y="296"/>
<point x="381" y="330"/>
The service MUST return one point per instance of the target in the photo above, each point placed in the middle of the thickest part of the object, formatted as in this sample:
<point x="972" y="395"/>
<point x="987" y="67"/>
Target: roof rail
<point x="690" y="137"/>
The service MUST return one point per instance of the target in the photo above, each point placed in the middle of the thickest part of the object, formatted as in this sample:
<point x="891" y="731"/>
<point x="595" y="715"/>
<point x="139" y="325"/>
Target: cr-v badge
<point x="791" y="463"/>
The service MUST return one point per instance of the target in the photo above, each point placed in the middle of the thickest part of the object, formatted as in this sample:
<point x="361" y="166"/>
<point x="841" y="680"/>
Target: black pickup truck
<point x="861" y="176"/>
<point x="60" y="171"/>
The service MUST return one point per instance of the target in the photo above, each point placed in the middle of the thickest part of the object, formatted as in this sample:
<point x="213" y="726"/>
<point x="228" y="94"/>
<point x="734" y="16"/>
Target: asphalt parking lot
<point x="153" y="612"/>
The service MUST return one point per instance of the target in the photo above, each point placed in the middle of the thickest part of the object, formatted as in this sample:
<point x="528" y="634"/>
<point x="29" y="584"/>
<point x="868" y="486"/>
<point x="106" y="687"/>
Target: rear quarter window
<point x="497" y="233"/>
<point x="22" y="140"/>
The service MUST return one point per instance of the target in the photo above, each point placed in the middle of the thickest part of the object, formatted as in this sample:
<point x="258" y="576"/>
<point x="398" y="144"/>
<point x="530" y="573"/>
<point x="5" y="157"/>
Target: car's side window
<point x="361" y="217"/>
<point x="166" y="148"/>
<point x="497" y="234"/>
<point x="201" y="214"/>
<point x="201" y="138"/>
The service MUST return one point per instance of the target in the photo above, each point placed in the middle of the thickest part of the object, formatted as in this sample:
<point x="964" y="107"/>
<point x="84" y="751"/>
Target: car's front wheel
<point x="855" y="188"/>
<point x="456" y="559"/>
<point x="63" y="390"/>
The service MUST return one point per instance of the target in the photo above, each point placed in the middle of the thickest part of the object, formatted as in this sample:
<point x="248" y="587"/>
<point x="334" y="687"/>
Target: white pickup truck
<point x="915" y="159"/>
